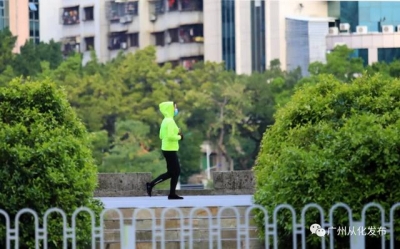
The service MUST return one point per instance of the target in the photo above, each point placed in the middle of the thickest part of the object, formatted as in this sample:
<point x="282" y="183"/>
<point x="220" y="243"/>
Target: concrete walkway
<point x="189" y="201"/>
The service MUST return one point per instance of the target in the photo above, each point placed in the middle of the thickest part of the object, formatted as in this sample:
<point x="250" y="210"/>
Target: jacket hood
<point x="167" y="109"/>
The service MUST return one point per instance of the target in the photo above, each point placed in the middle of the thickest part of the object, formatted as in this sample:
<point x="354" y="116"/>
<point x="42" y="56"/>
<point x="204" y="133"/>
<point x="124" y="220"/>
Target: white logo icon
<point x="318" y="230"/>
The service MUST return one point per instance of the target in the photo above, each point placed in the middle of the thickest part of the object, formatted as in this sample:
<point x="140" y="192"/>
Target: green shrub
<point x="45" y="161"/>
<point x="333" y="142"/>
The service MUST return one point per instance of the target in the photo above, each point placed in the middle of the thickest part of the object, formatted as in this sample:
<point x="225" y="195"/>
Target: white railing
<point x="323" y="228"/>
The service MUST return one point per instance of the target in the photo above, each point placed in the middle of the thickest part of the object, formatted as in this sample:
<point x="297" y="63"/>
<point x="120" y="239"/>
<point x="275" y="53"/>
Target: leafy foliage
<point x="28" y="61"/>
<point x="340" y="64"/>
<point x="333" y="142"/>
<point x="45" y="160"/>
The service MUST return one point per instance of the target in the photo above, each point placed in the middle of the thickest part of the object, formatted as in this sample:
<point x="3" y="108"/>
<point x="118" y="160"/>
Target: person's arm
<point x="170" y="133"/>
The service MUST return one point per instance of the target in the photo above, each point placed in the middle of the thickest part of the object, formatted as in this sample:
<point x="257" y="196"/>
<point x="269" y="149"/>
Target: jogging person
<point x="170" y="136"/>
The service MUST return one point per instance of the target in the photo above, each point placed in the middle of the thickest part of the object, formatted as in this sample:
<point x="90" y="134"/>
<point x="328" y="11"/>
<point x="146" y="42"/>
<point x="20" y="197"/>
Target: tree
<point x="333" y="142"/>
<point x="28" y="61"/>
<point x="267" y="91"/>
<point x="7" y="43"/>
<point x="190" y="154"/>
<point x="45" y="161"/>
<point x="339" y="63"/>
<point x="219" y="103"/>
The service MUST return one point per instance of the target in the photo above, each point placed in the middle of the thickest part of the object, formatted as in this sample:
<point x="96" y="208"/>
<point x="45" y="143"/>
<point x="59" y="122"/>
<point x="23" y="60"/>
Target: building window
<point x="173" y="5"/>
<point x="157" y="7"/>
<point x="258" y="62"/>
<point x="89" y="13"/>
<point x="173" y="36"/>
<point x="70" y="16"/>
<point x="228" y="34"/>
<point x="119" y="10"/>
<point x="361" y="53"/>
<point x="70" y="45"/>
<point x="34" y="27"/>
<point x="191" y="33"/>
<point x="133" y="40"/>
<point x="388" y="55"/>
<point x="191" y="5"/>
<point x="4" y="14"/>
<point x="89" y="41"/>
<point x="159" y="38"/>
<point x="118" y="40"/>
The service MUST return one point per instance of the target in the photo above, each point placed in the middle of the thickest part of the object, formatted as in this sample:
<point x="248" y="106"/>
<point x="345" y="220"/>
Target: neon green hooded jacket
<point x="169" y="130"/>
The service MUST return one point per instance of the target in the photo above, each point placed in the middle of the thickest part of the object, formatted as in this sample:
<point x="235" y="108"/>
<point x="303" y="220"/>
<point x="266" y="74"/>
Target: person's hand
<point x="180" y="134"/>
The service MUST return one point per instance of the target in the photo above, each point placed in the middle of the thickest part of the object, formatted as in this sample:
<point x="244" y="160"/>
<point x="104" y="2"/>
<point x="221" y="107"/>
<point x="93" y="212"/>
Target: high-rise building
<point x="14" y="14"/>
<point x="247" y="35"/>
<point x="175" y="27"/>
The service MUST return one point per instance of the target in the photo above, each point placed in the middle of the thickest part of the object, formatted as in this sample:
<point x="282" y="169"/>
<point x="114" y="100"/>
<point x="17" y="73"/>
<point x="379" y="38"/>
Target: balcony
<point x="176" y="19"/>
<point x="69" y="19"/>
<point x="70" y="45"/>
<point x="175" y="13"/>
<point x="122" y="16"/>
<point x="191" y="5"/>
<point x="128" y="42"/>
<point x="176" y="51"/>
<point x="183" y="34"/>
<point x="70" y="16"/>
<point x="117" y="11"/>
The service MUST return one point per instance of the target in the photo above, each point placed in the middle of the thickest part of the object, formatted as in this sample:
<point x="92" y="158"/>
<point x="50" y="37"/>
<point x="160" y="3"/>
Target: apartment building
<point x="175" y="27"/>
<point x="15" y="14"/>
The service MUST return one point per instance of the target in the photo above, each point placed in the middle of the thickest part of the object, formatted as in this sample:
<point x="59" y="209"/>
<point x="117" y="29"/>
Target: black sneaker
<point x="174" y="197"/>
<point x="149" y="188"/>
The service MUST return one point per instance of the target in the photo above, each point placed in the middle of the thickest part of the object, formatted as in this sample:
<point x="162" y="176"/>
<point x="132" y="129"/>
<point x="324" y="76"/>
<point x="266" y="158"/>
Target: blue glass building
<point x="370" y="14"/>
<point x="4" y="14"/>
<point x="228" y="33"/>
<point x="257" y="20"/>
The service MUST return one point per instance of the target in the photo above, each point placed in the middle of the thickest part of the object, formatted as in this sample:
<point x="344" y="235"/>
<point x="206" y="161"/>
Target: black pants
<point x="173" y="171"/>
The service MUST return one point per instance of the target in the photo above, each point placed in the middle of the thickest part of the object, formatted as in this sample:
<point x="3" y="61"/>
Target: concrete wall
<point x="49" y="20"/>
<point x="124" y="184"/>
<point x="133" y="184"/>
<point x="212" y="28"/>
<point x="234" y="182"/>
<point x="370" y="41"/>
<point x="19" y="22"/>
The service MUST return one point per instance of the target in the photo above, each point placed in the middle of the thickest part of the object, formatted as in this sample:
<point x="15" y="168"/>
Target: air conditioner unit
<point x="387" y="28"/>
<point x="122" y="19"/>
<point x="153" y="17"/>
<point x="128" y="18"/>
<point x="344" y="27"/>
<point x="362" y="29"/>
<point x="333" y="31"/>
<point x="123" y="45"/>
